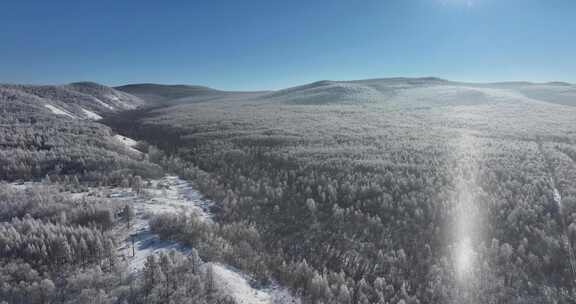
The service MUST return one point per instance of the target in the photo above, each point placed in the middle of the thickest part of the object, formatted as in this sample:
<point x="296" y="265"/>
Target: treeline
<point x="53" y="244"/>
<point x="167" y="278"/>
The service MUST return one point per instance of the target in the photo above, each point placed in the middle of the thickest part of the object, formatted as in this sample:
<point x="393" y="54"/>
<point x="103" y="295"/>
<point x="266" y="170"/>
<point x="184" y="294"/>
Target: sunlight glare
<point x="464" y="258"/>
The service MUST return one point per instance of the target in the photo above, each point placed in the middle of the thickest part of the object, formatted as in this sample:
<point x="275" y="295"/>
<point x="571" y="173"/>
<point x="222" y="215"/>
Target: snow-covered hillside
<point x="325" y="92"/>
<point x="422" y="92"/>
<point x="112" y="99"/>
<point x="432" y="96"/>
<point x="182" y="94"/>
<point x="75" y="101"/>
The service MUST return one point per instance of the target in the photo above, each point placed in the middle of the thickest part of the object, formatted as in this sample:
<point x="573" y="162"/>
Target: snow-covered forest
<point x="375" y="191"/>
<point x="433" y="192"/>
<point x="80" y="208"/>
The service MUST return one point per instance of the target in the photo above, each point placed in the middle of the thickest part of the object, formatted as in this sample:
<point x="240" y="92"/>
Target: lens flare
<point x="464" y="258"/>
<point x="466" y="218"/>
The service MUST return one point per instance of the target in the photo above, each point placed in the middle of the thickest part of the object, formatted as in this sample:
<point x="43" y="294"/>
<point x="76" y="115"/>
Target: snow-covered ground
<point x="171" y="194"/>
<point x="105" y="104"/>
<point x="91" y="115"/>
<point x="235" y="284"/>
<point x="118" y="100"/>
<point x="58" y="111"/>
<point x="128" y="142"/>
<point x="167" y="195"/>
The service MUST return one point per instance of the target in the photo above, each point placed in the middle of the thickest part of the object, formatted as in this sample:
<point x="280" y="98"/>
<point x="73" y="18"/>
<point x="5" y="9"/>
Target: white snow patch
<point x="58" y="111"/>
<point x="125" y="105"/>
<point x="21" y="186"/>
<point x="91" y="115"/>
<point x="128" y="142"/>
<point x="557" y="197"/>
<point x="234" y="284"/>
<point x="145" y="244"/>
<point x="104" y="104"/>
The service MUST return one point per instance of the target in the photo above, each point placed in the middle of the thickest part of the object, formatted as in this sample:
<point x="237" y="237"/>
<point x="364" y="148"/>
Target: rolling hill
<point x="179" y="94"/>
<point x="55" y="130"/>
<point x="400" y="93"/>
<point x="83" y="100"/>
<point x="422" y="93"/>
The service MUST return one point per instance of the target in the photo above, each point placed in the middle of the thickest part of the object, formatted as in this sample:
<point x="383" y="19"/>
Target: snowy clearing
<point x="167" y="195"/>
<point x="232" y="283"/>
<point x="58" y="111"/>
<point x="171" y="194"/>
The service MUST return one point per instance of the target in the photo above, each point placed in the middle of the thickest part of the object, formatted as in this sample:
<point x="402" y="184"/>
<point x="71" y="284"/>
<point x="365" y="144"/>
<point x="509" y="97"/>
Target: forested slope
<point x="62" y="221"/>
<point x="49" y="130"/>
<point x="160" y="94"/>
<point x="415" y="93"/>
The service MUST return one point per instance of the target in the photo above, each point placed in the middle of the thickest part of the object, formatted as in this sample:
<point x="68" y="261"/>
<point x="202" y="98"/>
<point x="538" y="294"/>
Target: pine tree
<point x="210" y="282"/>
<point x="128" y="213"/>
<point x="195" y="259"/>
<point x="343" y="296"/>
<point x="151" y="274"/>
<point x="137" y="185"/>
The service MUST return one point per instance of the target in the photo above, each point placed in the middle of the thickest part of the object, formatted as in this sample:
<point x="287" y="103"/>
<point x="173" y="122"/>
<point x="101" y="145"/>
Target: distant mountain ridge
<point x="398" y="92"/>
<point x="177" y="94"/>
<point x="89" y="100"/>
<point x="158" y="93"/>
<point x="422" y="92"/>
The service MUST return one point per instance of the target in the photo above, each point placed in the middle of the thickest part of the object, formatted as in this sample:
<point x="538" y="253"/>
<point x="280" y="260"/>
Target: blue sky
<point x="268" y="44"/>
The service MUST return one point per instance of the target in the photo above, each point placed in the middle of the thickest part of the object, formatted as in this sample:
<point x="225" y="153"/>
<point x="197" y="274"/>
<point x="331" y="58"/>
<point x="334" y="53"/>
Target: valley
<point x="396" y="190"/>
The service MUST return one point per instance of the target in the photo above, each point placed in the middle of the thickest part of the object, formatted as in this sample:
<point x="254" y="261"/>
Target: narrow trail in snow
<point x="174" y="195"/>
<point x="167" y="195"/>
